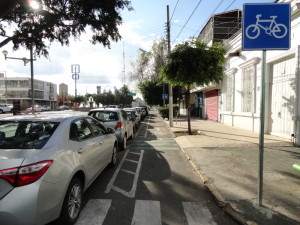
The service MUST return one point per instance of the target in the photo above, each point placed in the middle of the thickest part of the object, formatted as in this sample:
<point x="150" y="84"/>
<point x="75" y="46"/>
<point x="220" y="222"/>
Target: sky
<point x="105" y="67"/>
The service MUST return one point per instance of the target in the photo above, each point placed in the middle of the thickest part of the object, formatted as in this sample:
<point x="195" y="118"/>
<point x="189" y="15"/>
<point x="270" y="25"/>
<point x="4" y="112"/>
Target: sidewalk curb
<point x="220" y="200"/>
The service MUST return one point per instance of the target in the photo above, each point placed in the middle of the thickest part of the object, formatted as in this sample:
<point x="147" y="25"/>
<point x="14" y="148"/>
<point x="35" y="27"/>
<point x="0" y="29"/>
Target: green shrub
<point x="164" y="111"/>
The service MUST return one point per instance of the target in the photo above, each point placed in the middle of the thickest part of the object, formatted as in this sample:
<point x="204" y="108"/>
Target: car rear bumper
<point x="36" y="203"/>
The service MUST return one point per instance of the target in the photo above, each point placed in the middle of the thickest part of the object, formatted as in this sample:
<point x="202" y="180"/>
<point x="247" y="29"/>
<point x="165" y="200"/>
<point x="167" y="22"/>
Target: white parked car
<point x="37" y="108"/>
<point x="4" y="108"/>
<point x="47" y="161"/>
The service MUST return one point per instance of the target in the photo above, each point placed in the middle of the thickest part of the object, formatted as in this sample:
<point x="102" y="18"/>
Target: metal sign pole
<point x="262" y="128"/>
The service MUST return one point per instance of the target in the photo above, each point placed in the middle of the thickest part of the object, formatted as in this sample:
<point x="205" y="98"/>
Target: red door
<point x="212" y="105"/>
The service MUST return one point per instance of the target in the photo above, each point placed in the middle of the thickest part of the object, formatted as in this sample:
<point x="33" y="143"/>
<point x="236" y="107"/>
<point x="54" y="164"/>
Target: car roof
<point x="106" y="109"/>
<point x="41" y="117"/>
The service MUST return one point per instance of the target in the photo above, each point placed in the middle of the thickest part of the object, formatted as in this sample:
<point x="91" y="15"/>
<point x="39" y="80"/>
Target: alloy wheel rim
<point x="74" y="203"/>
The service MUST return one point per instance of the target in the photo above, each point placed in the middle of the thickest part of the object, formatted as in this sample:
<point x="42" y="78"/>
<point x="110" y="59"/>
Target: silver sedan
<point x="47" y="161"/>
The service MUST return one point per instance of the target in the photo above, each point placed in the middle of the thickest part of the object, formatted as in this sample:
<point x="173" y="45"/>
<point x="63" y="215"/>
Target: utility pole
<point x="75" y="69"/>
<point x="170" y="86"/>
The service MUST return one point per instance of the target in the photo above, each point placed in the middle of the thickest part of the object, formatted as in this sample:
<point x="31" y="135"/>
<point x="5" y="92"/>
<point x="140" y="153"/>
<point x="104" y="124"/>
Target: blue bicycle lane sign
<point x="266" y="26"/>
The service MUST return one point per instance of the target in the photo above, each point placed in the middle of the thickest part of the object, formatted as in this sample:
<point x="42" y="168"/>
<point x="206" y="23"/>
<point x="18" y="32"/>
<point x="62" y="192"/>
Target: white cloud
<point x="99" y="66"/>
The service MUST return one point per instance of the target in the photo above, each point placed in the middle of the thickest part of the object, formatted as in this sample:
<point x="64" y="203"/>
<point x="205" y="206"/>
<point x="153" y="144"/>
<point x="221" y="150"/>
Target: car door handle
<point x="80" y="150"/>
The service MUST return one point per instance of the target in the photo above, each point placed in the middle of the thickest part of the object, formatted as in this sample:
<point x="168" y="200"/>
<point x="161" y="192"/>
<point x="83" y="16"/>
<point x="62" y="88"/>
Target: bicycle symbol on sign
<point x="278" y="30"/>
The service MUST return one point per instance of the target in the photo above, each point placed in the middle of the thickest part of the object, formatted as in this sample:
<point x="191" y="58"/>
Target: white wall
<point x="251" y="121"/>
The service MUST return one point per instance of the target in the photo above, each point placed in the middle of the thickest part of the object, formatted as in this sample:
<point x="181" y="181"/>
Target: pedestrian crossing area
<point x="146" y="212"/>
<point x="159" y="144"/>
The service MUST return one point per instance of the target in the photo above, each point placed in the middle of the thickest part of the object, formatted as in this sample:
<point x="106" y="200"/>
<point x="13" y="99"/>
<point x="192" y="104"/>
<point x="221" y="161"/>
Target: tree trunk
<point x="188" y="111"/>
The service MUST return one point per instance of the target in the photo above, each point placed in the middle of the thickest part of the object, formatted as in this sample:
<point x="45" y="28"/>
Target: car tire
<point x="1" y="111"/>
<point x="72" y="203"/>
<point x="113" y="161"/>
<point x="124" y="143"/>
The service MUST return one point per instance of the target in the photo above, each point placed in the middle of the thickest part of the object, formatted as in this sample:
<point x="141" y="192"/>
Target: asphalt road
<point x="152" y="184"/>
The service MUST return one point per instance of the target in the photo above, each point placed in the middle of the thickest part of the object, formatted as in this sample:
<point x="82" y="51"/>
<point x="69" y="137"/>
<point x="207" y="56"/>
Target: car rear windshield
<point x="105" y="116"/>
<point x="25" y="134"/>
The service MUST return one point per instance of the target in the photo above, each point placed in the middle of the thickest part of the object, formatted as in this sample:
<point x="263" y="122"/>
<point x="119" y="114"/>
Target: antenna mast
<point x="123" y="72"/>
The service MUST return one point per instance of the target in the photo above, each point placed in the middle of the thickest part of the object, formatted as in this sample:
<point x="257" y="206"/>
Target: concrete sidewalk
<point x="226" y="158"/>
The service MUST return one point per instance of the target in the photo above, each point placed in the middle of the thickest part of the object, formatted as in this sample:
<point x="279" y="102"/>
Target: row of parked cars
<point x="48" y="160"/>
<point x="42" y="108"/>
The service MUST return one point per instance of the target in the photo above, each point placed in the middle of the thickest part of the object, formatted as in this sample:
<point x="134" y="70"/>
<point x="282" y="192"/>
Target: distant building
<point x="63" y="89"/>
<point x="19" y="88"/>
<point x="98" y="90"/>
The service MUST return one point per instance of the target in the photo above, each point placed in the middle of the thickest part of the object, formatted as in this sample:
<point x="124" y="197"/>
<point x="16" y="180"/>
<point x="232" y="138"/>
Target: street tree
<point x="79" y="99"/>
<point x="152" y="91"/>
<point x="145" y="72"/>
<point x="193" y="63"/>
<point x="58" y="20"/>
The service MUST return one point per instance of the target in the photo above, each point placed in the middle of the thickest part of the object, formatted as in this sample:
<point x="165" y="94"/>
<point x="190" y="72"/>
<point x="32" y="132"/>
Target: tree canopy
<point x="148" y="63"/>
<point x="58" y="20"/>
<point x="193" y="63"/>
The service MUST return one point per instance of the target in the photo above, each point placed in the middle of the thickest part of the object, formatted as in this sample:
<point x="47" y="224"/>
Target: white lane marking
<point x="196" y="213"/>
<point x="146" y="213"/>
<point x="131" y="193"/>
<point x="147" y="127"/>
<point x="94" y="212"/>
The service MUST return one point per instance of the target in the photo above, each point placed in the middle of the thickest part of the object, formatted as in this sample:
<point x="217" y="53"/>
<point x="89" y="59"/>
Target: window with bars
<point x="248" y="89"/>
<point x="228" y="97"/>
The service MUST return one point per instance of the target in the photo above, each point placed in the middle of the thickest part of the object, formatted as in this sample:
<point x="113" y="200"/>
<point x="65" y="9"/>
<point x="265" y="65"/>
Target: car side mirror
<point x="110" y="130"/>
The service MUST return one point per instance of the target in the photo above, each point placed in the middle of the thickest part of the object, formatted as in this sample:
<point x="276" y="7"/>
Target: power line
<point x="189" y="18"/>
<point x="230" y="5"/>
<point x="174" y="10"/>
<point x="220" y="3"/>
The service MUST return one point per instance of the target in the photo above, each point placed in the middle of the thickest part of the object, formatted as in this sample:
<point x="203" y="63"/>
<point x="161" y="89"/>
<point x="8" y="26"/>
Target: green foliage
<point x="119" y="97"/>
<point x="79" y="99"/>
<point x="193" y="63"/>
<point x="152" y="91"/>
<point x="164" y="111"/>
<point x="147" y="65"/>
<point x="58" y="20"/>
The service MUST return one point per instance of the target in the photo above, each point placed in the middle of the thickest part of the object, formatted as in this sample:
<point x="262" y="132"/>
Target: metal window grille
<point x="247" y="89"/>
<point x="229" y="93"/>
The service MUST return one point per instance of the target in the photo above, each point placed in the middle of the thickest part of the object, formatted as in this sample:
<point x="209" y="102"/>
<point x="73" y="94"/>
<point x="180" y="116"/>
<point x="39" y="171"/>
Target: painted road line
<point x="146" y="213"/>
<point x="147" y="127"/>
<point x="196" y="213"/>
<point x="94" y="212"/>
<point x="158" y="148"/>
<point x="131" y="193"/>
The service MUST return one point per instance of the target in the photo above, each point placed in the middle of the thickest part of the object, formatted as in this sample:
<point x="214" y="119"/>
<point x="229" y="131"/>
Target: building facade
<point x="219" y="28"/>
<point x="240" y="97"/>
<point x="19" y="88"/>
<point x="63" y="89"/>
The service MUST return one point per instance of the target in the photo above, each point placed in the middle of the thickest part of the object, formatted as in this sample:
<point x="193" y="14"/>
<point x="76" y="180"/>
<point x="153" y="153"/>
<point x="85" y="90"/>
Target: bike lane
<point x="153" y="184"/>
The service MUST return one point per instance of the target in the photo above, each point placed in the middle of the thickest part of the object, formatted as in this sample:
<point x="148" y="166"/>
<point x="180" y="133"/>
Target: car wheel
<point x="131" y="137"/>
<point x="72" y="202"/>
<point x="1" y="111"/>
<point x="113" y="161"/>
<point x="124" y="143"/>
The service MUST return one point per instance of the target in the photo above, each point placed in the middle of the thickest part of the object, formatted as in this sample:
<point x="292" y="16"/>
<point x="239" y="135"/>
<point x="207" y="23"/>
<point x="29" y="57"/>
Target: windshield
<point x="25" y="134"/>
<point x="105" y="116"/>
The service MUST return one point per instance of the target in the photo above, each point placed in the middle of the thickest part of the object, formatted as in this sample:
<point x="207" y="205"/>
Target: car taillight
<point x="119" y="125"/>
<point x="24" y="175"/>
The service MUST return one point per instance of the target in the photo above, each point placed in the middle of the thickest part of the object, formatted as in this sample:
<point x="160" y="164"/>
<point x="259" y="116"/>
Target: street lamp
<point x="25" y="60"/>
